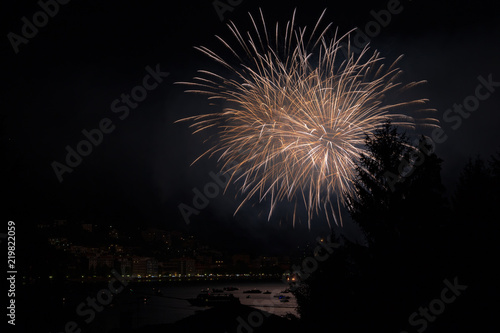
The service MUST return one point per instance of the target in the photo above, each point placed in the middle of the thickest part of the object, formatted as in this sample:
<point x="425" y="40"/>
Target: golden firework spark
<point x="296" y="115"/>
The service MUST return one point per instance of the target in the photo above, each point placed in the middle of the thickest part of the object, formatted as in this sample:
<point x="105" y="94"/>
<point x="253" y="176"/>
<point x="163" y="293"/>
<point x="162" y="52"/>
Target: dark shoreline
<point x="233" y="318"/>
<point x="42" y="301"/>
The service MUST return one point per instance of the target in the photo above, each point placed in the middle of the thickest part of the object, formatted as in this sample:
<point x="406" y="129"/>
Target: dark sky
<point x="65" y="78"/>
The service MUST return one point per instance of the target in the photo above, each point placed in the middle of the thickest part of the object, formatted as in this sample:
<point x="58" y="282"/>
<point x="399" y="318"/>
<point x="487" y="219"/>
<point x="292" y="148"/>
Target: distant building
<point x="219" y="265"/>
<point x="241" y="259"/>
<point x="169" y="267"/>
<point x="58" y="223"/>
<point x="152" y="267"/>
<point x="60" y="243"/>
<point x="241" y="263"/>
<point x="101" y="261"/>
<point x="87" y="227"/>
<point x="144" y="266"/>
<point x="156" y="235"/>
<point x="116" y="248"/>
<point x="78" y="250"/>
<point x="94" y="250"/>
<point x="43" y="225"/>
<point x="255" y="264"/>
<point x="113" y="233"/>
<point x="284" y="263"/>
<point x="269" y="261"/>
<point x="125" y="266"/>
<point x="180" y="266"/>
<point x="188" y="266"/>
<point x="203" y="264"/>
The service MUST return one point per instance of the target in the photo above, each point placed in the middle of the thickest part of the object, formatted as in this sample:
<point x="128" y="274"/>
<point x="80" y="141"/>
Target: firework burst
<point x="296" y="115"/>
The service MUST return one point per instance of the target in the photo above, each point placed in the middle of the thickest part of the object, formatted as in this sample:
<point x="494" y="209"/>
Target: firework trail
<point x="296" y="115"/>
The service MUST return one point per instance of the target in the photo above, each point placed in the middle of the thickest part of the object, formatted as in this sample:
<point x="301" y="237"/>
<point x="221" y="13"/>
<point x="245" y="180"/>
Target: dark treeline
<point x="417" y="238"/>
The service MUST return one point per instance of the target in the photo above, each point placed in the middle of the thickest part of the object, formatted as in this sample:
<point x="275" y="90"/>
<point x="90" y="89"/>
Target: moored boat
<point x="230" y="288"/>
<point x="252" y="291"/>
<point x="207" y="299"/>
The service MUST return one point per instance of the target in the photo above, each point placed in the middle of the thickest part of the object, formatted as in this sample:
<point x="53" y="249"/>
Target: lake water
<point x="142" y="307"/>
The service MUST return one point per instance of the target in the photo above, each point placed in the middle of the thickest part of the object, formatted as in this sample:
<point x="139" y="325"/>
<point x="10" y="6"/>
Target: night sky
<point x="66" y="77"/>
